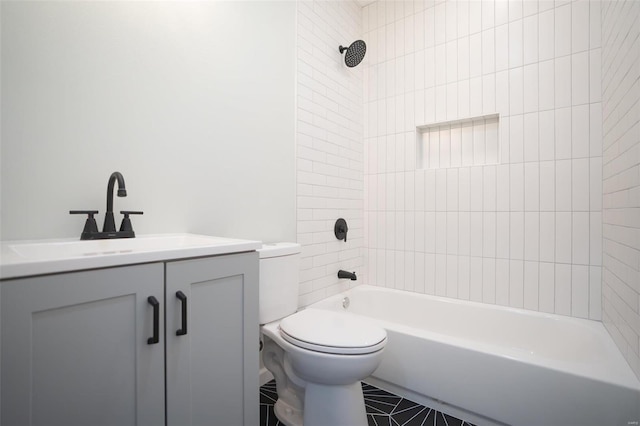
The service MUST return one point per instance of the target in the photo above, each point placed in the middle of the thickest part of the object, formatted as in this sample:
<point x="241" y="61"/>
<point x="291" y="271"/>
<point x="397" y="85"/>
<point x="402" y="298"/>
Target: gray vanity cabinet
<point x="212" y="370"/>
<point x="75" y="351"/>
<point x="76" y="346"/>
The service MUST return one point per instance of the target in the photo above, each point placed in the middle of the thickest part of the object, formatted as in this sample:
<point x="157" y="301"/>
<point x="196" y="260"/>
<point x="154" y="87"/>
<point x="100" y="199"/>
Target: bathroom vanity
<point x="130" y="333"/>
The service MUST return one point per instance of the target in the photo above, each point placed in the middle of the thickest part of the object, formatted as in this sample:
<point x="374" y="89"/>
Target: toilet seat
<point x="332" y="332"/>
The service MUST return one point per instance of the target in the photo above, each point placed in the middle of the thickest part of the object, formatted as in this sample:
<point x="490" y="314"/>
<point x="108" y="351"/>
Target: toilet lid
<point x="332" y="332"/>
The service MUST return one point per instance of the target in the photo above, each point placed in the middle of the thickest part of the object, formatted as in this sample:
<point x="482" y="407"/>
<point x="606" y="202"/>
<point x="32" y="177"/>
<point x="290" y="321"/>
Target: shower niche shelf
<point x="466" y="142"/>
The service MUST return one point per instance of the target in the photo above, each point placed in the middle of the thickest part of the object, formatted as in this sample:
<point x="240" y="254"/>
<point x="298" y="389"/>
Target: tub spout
<point x="348" y="275"/>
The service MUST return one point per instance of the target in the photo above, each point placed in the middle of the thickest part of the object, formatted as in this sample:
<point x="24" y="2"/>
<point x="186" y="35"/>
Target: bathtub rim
<point x="623" y="377"/>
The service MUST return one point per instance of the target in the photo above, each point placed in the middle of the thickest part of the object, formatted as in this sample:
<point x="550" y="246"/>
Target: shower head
<point x="355" y="53"/>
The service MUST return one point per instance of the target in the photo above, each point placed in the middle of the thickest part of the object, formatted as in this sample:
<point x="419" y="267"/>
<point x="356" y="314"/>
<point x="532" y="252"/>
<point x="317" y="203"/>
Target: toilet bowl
<point x="317" y="357"/>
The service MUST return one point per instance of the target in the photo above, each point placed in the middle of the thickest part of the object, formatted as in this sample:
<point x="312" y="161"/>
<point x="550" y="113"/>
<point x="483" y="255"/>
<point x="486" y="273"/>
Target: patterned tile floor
<point x="383" y="408"/>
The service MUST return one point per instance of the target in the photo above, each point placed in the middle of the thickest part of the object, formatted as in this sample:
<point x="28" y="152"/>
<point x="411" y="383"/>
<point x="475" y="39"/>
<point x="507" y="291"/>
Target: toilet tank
<point x="279" y="279"/>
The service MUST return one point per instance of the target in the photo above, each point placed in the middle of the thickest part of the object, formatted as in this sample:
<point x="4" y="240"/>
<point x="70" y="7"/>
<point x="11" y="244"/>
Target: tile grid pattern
<point x="621" y="175"/>
<point x="383" y="408"/>
<point x="525" y="233"/>
<point x="329" y="146"/>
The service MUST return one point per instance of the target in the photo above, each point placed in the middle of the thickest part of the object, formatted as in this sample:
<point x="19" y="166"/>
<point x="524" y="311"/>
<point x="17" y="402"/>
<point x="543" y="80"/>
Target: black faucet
<point x="348" y="275"/>
<point x="109" y="222"/>
<point x="90" y="231"/>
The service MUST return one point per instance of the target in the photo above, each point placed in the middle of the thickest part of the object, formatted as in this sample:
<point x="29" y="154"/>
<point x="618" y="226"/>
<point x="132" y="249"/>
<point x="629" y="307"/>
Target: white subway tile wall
<point x="532" y="231"/>
<point x="513" y="219"/>
<point x="621" y="175"/>
<point x="329" y="146"/>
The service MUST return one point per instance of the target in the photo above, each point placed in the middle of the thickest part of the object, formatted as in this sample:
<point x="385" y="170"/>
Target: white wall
<point x="329" y="147"/>
<point x="526" y="232"/>
<point x="192" y="101"/>
<point x="621" y="175"/>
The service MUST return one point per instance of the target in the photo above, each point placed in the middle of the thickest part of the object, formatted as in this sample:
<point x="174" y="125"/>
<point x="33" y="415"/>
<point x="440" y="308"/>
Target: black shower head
<point x="355" y="53"/>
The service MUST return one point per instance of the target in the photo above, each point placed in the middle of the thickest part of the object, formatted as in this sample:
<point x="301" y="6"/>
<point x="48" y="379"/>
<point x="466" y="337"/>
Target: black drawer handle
<point x="156" y="320"/>
<point x="183" y="299"/>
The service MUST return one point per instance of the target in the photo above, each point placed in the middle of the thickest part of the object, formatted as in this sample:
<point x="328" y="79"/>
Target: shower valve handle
<point x="340" y="229"/>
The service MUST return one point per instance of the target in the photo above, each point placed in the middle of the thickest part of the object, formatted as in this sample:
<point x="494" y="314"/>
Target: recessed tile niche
<point x="460" y="143"/>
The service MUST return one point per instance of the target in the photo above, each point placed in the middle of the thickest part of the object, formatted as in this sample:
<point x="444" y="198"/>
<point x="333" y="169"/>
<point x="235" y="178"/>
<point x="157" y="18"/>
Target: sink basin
<point x="23" y="258"/>
<point x="64" y="249"/>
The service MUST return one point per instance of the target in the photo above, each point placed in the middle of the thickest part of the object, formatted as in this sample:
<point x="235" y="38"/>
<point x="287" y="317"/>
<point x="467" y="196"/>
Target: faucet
<point x="109" y="222"/>
<point x="348" y="275"/>
<point x="90" y="231"/>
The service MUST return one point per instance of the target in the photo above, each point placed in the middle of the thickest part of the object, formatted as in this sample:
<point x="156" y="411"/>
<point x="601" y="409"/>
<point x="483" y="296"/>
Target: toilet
<point x="317" y="357"/>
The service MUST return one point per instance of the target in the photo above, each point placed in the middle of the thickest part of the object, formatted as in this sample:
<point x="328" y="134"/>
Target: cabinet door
<point x="75" y="349"/>
<point x="212" y="370"/>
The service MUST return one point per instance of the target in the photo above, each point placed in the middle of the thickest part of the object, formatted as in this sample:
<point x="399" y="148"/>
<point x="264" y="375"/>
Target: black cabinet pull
<point x="156" y="320"/>
<point x="183" y="299"/>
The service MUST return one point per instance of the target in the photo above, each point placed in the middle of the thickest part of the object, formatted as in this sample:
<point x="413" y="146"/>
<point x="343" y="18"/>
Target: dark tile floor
<point x="383" y="408"/>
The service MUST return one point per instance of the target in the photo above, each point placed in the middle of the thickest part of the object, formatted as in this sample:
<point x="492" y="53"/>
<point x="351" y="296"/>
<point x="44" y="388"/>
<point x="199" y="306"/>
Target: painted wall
<point x="621" y="175"/>
<point x="329" y="147"/>
<point x="194" y="102"/>
<point x="525" y="232"/>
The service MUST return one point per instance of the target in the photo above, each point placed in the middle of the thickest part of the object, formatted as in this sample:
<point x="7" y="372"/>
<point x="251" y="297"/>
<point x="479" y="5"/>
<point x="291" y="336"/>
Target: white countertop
<point x="37" y="257"/>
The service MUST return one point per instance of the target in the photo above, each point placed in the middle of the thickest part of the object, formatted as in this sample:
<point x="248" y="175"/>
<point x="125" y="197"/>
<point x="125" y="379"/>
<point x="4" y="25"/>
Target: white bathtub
<point x="490" y="364"/>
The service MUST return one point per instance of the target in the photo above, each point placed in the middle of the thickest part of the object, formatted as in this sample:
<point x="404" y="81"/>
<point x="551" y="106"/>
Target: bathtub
<point x="491" y="365"/>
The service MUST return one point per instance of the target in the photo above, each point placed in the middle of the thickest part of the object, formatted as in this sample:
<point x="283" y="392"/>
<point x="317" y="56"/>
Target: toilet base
<point x="334" y="405"/>
<point x="290" y="388"/>
<point x="327" y="405"/>
<point x="287" y="414"/>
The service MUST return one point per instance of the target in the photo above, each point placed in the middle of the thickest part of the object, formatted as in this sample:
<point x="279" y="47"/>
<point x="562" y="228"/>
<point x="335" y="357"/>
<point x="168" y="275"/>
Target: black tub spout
<point x="348" y="275"/>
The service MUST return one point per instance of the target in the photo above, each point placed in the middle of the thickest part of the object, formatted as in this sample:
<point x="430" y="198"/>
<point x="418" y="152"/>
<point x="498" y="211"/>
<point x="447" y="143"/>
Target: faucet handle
<point x="340" y="229"/>
<point x="125" y="226"/>
<point x="90" y="226"/>
<point x="89" y="212"/>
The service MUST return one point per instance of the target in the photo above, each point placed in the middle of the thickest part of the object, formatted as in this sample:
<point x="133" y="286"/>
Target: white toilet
<point x="317" y="357"/>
